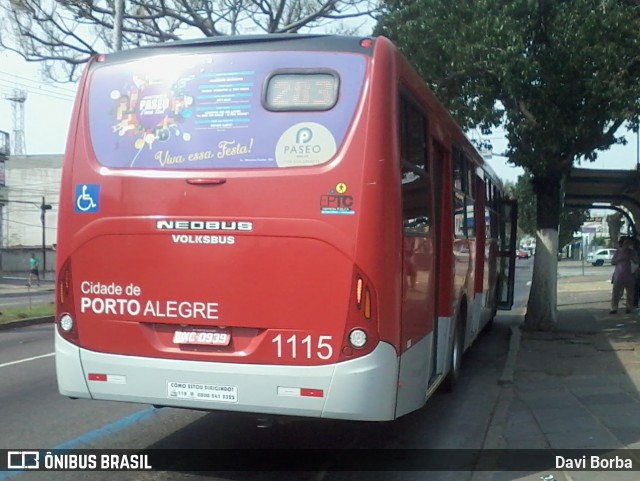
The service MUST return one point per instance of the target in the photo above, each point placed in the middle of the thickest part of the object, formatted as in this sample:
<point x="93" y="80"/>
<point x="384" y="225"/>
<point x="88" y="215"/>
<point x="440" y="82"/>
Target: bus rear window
<point x="301" y="91"/>
<point x="223" y="110"/>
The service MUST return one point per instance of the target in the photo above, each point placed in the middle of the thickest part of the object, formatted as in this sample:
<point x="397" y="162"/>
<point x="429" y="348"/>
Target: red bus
<point x="280" y="224"/>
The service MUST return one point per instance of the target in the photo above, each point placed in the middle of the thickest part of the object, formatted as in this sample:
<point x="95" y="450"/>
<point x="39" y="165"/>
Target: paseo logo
<point x="154" y="105"/>
<point x="306" y="143"/>
<point x="303" y="145"/>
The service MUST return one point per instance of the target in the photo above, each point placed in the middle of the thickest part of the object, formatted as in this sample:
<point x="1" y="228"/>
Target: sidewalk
<point x="18" y="285"/>
<point x="575" y="388"/>
<point x="11" y="286"/>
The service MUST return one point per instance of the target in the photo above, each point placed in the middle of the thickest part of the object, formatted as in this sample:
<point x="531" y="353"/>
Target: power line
<point x="28" y="225"/>
<point x="27" y="79"/>
<point x="36" y="91"/>
<point x="36" y="87"/>
<point x="7" y="87"/>
<point x="34" y="188"/>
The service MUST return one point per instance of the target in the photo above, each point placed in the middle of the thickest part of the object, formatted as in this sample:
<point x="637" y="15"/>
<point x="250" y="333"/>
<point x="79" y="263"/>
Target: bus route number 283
<point x="297" y="346"/>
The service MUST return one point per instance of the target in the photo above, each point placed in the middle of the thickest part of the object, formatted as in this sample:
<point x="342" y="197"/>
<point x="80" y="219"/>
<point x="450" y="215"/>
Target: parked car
<point x="523" y="254"/>
<point x="599" y="257"/>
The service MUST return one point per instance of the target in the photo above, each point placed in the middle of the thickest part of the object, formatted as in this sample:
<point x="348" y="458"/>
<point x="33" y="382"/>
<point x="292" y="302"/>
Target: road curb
<point x="26" y="322"/>
<point x="16" y="293"/>
<point x="494" y="437"/>
<point x="512" y="356"/>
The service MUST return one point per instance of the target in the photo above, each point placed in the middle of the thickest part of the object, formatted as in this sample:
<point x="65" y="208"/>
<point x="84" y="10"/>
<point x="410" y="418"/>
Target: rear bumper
<point x="362" y="389"/>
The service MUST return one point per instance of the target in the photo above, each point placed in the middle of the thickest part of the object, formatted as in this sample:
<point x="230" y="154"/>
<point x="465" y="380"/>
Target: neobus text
<point x="204" y="225"/>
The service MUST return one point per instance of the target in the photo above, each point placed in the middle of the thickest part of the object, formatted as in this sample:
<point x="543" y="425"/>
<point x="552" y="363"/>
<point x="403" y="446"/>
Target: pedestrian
<point x="410" y="272"/>
<point x="34" y="265"/>
<point x="623" y="279"/>
<point x="636" y="275"/>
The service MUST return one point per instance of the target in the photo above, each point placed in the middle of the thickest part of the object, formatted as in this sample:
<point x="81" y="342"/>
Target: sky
<point x="47" y="112"/>
<point x="618" y="157"/>
<point x="47" y="108"/>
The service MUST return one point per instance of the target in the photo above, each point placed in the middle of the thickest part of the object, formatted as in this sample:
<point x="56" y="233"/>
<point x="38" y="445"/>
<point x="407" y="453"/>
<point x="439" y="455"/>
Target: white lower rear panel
<point x="362" y="389"/>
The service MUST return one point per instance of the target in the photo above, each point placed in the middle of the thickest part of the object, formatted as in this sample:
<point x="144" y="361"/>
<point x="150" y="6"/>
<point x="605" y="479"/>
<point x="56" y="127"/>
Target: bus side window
<point x="469" y="196"/>
<point x="459" y="204"/>
<point x="416" y="196"/>
<point x="463" y="195"/>
<point x="491" y="209"/>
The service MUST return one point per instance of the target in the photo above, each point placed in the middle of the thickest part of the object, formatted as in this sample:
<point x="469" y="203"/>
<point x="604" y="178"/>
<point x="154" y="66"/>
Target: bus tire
<point x="455" y="359"/>
<point x="491" y="322"/>
<point x="488" y="326"/>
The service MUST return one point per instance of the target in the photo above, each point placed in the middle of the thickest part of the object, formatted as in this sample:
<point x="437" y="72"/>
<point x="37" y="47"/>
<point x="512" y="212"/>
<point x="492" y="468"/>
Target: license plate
<point x="202" y="337"/>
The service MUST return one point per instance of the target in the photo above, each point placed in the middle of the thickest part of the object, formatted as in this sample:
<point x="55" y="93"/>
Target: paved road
<point x="568" y="268"/>
<point x="34" y="416"/>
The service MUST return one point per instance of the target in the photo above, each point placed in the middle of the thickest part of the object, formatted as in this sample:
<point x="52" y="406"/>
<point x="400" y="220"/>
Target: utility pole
<point x="117" y="25"/>
<point x="44" y="208"/>
<point x="17" y="99"/>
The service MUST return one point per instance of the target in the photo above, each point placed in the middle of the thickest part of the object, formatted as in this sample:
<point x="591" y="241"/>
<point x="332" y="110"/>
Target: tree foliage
<point x="561" y="76"/>
<point x="64" y="34"/>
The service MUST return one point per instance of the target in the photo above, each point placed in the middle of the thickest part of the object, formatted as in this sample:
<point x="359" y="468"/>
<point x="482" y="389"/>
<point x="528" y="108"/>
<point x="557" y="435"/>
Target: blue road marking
<point x="90" y="436"/>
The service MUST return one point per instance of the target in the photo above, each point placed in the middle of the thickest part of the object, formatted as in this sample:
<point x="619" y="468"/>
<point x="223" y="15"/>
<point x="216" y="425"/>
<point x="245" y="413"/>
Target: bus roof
<point x="280" y="41"/>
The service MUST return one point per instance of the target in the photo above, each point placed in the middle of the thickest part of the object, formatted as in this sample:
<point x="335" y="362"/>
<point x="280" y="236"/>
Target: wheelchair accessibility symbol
<point x="87" y="198"/>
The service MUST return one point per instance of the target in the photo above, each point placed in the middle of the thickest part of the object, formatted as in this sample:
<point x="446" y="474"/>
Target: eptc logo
<point x="336" y="202"/>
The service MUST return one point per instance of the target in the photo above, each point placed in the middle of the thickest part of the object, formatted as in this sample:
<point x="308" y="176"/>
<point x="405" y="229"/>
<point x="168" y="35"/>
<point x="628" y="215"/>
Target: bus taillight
<point x="359" y="283"/>
<point x="65" y="313"/>
<point x="367" y="303"/>
<point x="64" y="284"/>
<point x="361" y="329"/>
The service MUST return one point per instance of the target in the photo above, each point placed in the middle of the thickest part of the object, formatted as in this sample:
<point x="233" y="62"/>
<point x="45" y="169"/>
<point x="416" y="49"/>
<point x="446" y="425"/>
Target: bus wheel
<point x="455" y="360"/>
<point x="490" y="323"/>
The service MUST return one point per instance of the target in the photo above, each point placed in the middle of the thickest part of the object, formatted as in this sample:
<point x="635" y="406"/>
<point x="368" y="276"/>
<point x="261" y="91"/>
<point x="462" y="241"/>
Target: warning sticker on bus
<point x="202" y="392"/>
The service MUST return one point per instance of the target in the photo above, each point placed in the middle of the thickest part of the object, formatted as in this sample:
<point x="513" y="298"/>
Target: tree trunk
<point x="542" y="305"/>
<point x="615" y="224"/>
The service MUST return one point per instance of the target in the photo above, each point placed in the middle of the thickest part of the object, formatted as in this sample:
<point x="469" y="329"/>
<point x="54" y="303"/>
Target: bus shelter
<point x="621" y="188"/>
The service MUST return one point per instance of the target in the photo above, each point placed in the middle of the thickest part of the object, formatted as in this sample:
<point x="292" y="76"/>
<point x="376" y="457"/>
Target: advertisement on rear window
<point x="224" y="110"/>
